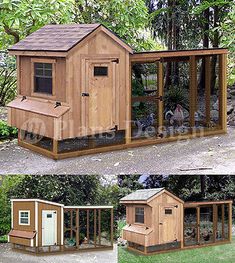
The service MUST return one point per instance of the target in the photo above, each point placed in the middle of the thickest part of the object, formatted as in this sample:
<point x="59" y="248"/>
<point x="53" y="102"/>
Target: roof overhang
<point x="37" y="200"/>
<point x="151" y="56"/>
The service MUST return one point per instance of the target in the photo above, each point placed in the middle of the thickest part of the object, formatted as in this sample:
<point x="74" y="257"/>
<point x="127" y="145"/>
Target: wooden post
<point x="182" y="226"/>
<point x="215" y="222"/>
<point x="55" y="146"/>
<point x="95" y="226"/>
<point x="198" y="225"/>
<point x="71" y="223"/>
<point x="192" y="90"/>
<point x="128" y="102"/>
<point x="230" y="219"/>
<point x="99" y="222"/>
<point x="77" y="228"/>
<point x="223" y="91"/>
<point x="208" y="89"/>
<point x="88" y="226"/>
<point x="159" y="94"/>
<point x="111" y="235"/>
<point x="222" y="220"/>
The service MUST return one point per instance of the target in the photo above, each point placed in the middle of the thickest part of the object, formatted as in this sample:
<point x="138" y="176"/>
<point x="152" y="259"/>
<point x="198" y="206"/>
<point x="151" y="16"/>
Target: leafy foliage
<point x="7" y="78"/>
<point x="228" y="40"/>
<point x="7" y="132"/>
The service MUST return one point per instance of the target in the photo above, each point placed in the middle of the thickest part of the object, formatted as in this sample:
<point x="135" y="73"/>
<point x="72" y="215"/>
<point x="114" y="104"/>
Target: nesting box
<point x="82" y="89"/>
<point x="158" y="221"/>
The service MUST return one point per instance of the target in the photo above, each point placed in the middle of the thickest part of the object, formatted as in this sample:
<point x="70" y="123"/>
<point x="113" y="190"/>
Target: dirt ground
<point x="211" y="155"/>
<point x="7" y="255"/>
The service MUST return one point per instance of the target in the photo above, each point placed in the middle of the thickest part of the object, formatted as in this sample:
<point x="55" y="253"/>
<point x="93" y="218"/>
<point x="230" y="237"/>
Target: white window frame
<point x="24" y="211"/>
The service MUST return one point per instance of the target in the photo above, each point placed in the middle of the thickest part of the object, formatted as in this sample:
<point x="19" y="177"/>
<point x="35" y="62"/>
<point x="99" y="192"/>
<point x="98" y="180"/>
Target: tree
<point x="19" y="18"/>
<point x="227" y="32"/>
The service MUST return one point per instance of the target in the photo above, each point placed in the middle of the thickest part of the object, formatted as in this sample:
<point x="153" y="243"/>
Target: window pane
<point x="168" y="211"/>
<point x="48" y="72"/>
<point x="47" y="66"/>
<point x="24" y="220"/>
<point x="38" y="65"/>
<point x="43" y="85"/>
<point x="100" y="71"/>
<point x="38" y="72"/>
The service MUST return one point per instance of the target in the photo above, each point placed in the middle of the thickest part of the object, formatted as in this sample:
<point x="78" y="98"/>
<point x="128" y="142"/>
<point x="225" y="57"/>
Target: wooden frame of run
<point x="97" y="219"/>
<point x="192" y="56"/>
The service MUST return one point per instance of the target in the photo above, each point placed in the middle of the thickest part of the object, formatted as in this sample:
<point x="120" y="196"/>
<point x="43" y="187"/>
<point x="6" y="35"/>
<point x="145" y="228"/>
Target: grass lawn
<point x="213" y="254"/>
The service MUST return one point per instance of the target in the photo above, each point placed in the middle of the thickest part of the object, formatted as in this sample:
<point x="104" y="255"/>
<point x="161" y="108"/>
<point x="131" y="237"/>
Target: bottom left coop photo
<point x="71" y="218"/>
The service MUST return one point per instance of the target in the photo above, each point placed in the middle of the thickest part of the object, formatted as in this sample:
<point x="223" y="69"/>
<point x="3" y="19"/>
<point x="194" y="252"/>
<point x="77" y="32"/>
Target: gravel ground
<point x="7" y="255"/>
<point x="216" y="153"/>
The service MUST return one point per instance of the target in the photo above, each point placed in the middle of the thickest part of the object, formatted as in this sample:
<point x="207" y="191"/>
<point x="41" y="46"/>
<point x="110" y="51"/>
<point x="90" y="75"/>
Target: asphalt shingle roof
<point x="55" y="37"/>
<point x="142" y="195"/>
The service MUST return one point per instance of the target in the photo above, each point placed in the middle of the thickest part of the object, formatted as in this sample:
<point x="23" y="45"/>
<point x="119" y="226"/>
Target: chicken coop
<point x="41" y="226"/>
<point x="83" y="90"/>
<point x="157" y="221"/>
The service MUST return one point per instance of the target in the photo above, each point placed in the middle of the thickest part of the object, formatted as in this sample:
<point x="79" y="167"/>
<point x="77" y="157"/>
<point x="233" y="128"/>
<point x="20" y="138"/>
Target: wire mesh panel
<point x="208" y="100"/>
<point x="176" y="98"/>
<point x="190" y="226"/>
<point x="144" y="100"/>
<point x="226" y="221"/>
<point x="70" y="229"/>
<point x="105" y="228"/>
<point x="162" y="247"/>
<point x="206" y="225"/>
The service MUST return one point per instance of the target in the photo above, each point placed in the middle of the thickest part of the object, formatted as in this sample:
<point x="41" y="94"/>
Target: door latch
<point x="116" y="60"/>
<point x="85" y="94"/>
<point x="115" y="128"/>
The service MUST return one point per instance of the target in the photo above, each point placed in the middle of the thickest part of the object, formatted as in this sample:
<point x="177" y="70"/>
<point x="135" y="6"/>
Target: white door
<point x="49" y="227"/>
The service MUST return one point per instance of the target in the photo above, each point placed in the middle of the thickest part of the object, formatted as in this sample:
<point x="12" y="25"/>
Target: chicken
<point x="176" y="118"/>
<point x="144" y="123"/>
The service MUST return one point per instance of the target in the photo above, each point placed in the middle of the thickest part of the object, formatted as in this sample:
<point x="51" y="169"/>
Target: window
<point x="168" y="211"/>
<point x="100" y="71"/>
<point x="24" y="218"/>
<point x="139" y="215"/>
<point x="43" y="78"/>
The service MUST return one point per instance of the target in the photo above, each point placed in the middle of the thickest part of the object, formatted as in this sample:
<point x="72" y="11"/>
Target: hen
<point x="144" y="123"/>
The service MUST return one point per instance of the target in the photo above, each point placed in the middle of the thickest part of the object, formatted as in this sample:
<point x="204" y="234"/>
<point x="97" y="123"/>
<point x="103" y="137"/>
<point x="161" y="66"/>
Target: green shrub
<point x="3" y="239"/>
<point x="6" y="131"/>
<point x="174" y="96"/>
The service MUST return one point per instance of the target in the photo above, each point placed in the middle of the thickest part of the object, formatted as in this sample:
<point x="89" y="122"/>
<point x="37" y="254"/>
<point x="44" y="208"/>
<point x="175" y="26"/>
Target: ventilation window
<point x="100" y="71"/>
<point x="139" y="215"/>
<point x="168" y="211"/>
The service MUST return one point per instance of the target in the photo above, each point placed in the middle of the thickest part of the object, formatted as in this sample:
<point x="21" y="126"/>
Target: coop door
<point x="100" y="96"/>
<point x="168" y="223"/>
<point x="49" y="231"/>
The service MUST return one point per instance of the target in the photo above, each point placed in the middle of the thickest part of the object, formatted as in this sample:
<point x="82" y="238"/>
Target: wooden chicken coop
<point x="41" y="226"/>
<point x="159" y="221"/>
<point x="83" y="90"/>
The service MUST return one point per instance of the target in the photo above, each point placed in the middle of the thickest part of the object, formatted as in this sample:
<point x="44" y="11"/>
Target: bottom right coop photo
<point x="192" y="216"/>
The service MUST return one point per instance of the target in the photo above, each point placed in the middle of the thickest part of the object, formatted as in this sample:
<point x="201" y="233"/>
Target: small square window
<point x="100" y="71"/>
<point x="49" y="215"/>
<point x="24" y="217"/>
<point x="139" y="215"/>
<point x="168" y="211"/>
<point x="43" y="78"/>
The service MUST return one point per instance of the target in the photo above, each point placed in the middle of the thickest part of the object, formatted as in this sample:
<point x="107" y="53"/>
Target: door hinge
<point x="85" y="94"/>
<point x="57" y="104"/>
<point x="176" y="206"/>
<point x="116" y="60"/>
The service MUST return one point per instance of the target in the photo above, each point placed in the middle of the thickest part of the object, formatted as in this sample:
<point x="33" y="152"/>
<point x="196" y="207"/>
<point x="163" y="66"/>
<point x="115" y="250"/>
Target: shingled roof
<point x="142" y="195"/>
<point x="56" y="37"/>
